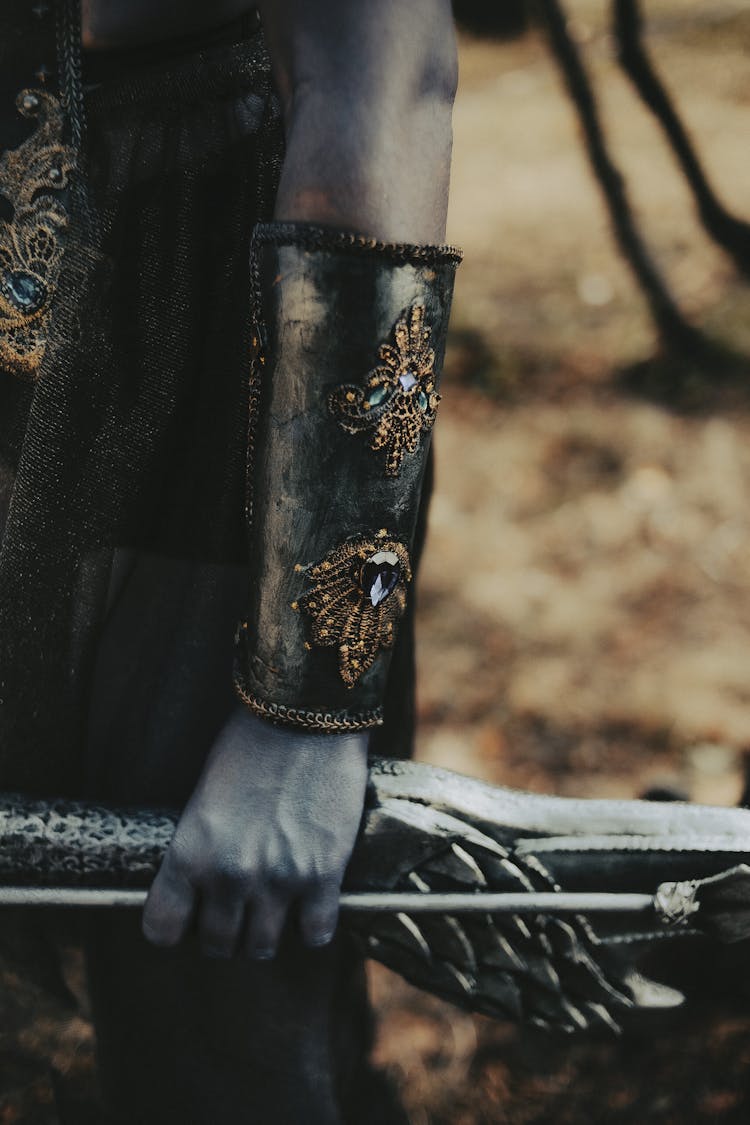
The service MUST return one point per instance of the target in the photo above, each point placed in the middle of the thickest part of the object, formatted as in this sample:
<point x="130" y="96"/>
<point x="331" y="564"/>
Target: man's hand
<point x="269" y="830"/>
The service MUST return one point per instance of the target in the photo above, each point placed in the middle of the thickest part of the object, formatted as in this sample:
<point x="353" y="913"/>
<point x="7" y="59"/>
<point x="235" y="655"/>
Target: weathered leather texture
<point x="327" y="303"/>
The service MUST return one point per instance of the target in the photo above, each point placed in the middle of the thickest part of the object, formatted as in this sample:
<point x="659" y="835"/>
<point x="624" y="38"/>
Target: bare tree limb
<point x="731" y="233"/>
<point x="676" y="333"/>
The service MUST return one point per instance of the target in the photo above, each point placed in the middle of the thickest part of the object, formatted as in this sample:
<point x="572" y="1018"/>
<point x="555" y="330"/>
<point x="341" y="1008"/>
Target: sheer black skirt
<point x="122" y="463"/>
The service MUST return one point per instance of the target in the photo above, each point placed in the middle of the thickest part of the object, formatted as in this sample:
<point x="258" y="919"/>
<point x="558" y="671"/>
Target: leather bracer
<point x="350" y="337"/>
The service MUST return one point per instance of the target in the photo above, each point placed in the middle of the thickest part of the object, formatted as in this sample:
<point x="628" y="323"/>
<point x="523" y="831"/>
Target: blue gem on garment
<point x="408" y="380"/>
<point x="380" y="575"/>
<point x="423" y="402"/>
<point x="379" y="395"/>
<point x="23" y="290"/>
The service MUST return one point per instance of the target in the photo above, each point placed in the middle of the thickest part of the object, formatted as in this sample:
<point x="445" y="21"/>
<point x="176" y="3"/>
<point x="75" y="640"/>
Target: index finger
<point x="170" y="906"/>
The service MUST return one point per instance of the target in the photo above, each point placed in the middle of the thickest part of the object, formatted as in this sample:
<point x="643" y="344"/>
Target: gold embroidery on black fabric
<point x="30" y="243"/>
<point x="355" y="598"/>
<point x="398" y="402"/>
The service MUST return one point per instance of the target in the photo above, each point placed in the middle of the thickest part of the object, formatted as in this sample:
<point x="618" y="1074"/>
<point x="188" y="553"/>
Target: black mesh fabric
<point x="122" y="469"/>
<point x="134" y="434"/>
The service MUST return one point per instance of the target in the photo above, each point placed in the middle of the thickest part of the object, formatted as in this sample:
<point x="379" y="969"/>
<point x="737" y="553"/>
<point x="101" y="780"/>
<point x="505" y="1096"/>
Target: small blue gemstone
<point x="408" y="380"/>
<point x="380" y="575"/>
<point x="423" y="402"/>
<point x="378" y="395"/>
<point x="23" y="290"/>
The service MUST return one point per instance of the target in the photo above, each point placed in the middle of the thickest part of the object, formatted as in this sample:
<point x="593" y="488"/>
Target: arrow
<point x="560" y="902"/>
<point x="721" y="901"/>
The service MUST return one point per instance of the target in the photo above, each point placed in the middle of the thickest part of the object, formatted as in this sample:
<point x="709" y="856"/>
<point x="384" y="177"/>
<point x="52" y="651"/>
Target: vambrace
<point x="349" y="344"/>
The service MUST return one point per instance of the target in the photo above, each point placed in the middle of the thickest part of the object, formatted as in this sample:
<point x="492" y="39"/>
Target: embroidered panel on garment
<point x="31" y="248"/>
<point x="355" y="599"/>
<point x="398" y="402"/>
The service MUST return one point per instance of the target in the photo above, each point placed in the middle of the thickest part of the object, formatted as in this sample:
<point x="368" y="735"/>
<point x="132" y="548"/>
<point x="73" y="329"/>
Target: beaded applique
<point x="356" y="596"/>
<point x="30" y="242"/>
<point x="398" y="401"/>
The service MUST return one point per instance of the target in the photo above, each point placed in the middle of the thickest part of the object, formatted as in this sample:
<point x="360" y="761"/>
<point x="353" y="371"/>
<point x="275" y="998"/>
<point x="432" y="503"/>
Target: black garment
<point x="134" y="436"/>
<point x="129" y="450"/>
<point x="135" y="431"/>
<point x="202" y="1042"/>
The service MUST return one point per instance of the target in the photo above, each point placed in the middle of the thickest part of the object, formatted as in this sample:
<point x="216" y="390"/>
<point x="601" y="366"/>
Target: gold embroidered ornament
<point x="355" y="599"/>
<point x="398" y="402"/>
<point x="30" y="243"/>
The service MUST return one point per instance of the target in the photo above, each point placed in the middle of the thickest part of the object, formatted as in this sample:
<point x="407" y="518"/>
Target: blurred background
<point x="585" y="608"/>
<point x="585" y="598"/>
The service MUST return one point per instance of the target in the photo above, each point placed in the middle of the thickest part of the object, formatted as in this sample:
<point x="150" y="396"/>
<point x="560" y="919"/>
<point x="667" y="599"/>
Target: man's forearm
<point x="352" y="283"/>
<point x="367" y="90"/>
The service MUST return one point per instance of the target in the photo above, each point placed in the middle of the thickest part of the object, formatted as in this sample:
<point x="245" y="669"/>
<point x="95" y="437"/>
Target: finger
<point x="266" y="918"/>
<point x="220" y="925"/>
<point x="319" y="915"/>
<point x="169" y="907"/>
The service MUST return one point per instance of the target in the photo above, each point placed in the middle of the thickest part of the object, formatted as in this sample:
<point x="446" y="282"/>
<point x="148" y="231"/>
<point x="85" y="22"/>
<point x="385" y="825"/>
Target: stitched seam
<point x="311" y="237"/>
<point x="311" y="720"/>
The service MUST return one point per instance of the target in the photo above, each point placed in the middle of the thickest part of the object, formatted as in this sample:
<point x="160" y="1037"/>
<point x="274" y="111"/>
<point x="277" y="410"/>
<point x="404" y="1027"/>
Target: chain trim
<point x="257" y="362"/>
<point x="310" y="237"/>
<point x="341" y="721"/>
<point x="69" y="65"/>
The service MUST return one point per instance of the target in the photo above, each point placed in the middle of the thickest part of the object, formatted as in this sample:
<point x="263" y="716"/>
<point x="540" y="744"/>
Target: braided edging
<point x="338" y="721"/>
<point x="310" y="237"/>
<point x="68" y="28"/>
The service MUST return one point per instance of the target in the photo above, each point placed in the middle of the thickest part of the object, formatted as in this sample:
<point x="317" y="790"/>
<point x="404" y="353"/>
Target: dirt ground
<point x="585" y="609"/>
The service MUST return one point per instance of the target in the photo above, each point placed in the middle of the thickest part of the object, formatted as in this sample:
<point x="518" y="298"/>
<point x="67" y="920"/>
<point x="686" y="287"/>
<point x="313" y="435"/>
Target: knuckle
<point x="159" y="934"/>
<point x="281" y="883"/>
<point x="318" y="937"/>
<point x="321" y="876"/>
<point x="249" y="868"/>
<point x="178" y="854"/>
<point x="294" y="885"/>
<point x="232" y="873"/>
<point x="333" y="872"/>
<point x="227" y="874"/>
<point x="178" y="870"/>
<point x="319" y="924"/>
<point x="326" y="882"/>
